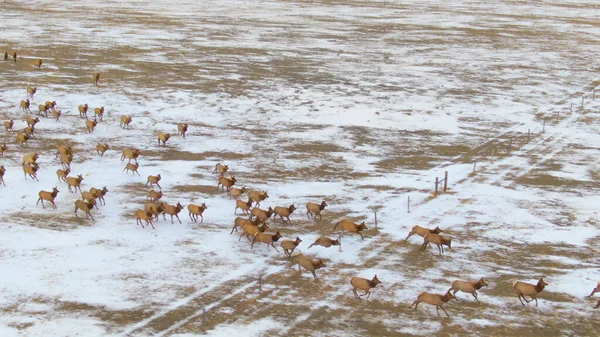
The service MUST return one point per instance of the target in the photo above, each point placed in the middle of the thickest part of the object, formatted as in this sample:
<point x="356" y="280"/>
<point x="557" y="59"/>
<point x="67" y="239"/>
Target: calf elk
<point x="316" y="209"/>
<point x="182" y="129"/>
<point x="48" y="196"/>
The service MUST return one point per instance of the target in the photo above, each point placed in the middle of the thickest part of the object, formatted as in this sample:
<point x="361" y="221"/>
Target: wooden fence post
<point x="474" y="166"/>
<point x="436" y="186"/>
<point x="492" y="156"/>
<point x="260" y="283"/>
<point x="445" y="180"/>
<point x="375" y="218"/>
<point x="408" y="205"/>
<point x="582" y="97"/>
<point x="528" y="133"/>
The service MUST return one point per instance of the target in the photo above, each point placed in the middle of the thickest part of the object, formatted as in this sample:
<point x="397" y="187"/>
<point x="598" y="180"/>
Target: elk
<point x="283" y="211"/>
<point x="155" y="208"/>
<point x="433" y="299"/>
<point x="154" y="180"/>
<point x="163" y="137"/>
<point x="89" y="197"/>
<point x="243" y="205"/>
<point x="62" y="174"/>
<point x="241" y="222"/>
<point x="261" y="213"/>
<point x="196" y="211"/>
<point x="90" y="125"/>
<point x="221" y="169"/>
<point x="96" y="78"/>
<point x="85" y="206"/>
<point x="235" y="192"/>
<point x="2" y="149"/>
<point x="364" y="285"/>
<point x="125" y="121"/>
<point x="154" y="196"/>
<point x="308" y="264"/>
<point x="182" y="129"/>
<point x="31" y="121"/>
<point x="8" y="125"/>
<point x="30" y="158"/>
<point x="22" y="139"/>
<point x="30" y="92"/>
<point x="50" y="105"/>
<point x="30" y="169"/>
<point x="65" y="160"/>
<point x="268" y="239"/>
<point x="438" y="240"/>
<point x="56" y="114"/>
<point x="130" y="154"/>
<point x="325" y="242"/>
<point x="25" y="105"/>
<point x="83" y="110"/>
<point x="467" y="287"/>
<point x="38" y="64"/>
<point x="315" y="208"/>
<point x="101" y="148"/>
<point x="2" y="171"/>
<point x="99" y="112"/>
<point x="352" y="227"/>
<point x="173" y="211"/>
<point x="250" y="230"/>
<point x="147" y="216"/>
<point x="597" y="289"/>
<point x="257" y="196"/>
<point x="48" y="196"/>
<point x="132" y="167"/>
<point x="100" y="193"/>
<point x="63" y="149"/>
<point x="28" y="131"/>
<point x="74" y="182"/>
<point x="226" y="182"/>
<point x="289" y="246"/>
<point x="422" y="231"/>
<point x="43" y="109"/>
<point x="527" y="289"/>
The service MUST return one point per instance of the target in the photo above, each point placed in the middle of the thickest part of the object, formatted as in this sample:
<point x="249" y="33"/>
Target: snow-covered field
<point x="360" y="103"/>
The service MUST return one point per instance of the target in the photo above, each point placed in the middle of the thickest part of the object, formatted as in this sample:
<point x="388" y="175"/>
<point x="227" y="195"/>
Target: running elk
<point x="48" y="196"/>
<point x="99" y="112"/>
<point x="173" y="211"/>
<point x="83" y="110"/>
<point x="433" y="299"/>
<point x="85" y="206"/>
<point x="527" y="289"/>
<point x="75" y="183"/>
<point x="351" y="227"/>
<point x="8" y="125"/>
<point x="25" y="106"/>
<point x="258" y="196"/>
<point x="243" y="205"/>
<point x="289" y="246"/>
<point x="196" y="211"/>
<point x="267" y="239"/>
<point x="221" y="169"/>
<point x="96" y="78"/>
<point x="182" y="129"/>
<point x="422" y="231"/>
<point x="283" y="211"/>
<point x="101" y="148"/>
<point x="226" y="182"/>
<point x="152" y="180"/>
<point x="312" y="207"/>
<point x="125" y="121"/>
<point x="364" y="285"/>
<point x="438" y="240"/>
<point x="163" y="137"/>
<point x="467" y="287"/>
<point x="132" y="167"/>
<point x="308" y="264"/>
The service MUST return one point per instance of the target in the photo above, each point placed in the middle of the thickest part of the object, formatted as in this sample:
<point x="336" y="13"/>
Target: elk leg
<point x="519" y="297"/>
<point x="409" y="235"/>
<point x="356" y="294"/>
<point x="475" y="295"/>
<point x="368" y="293"/>
<point x="445" y="311"/>
<point x="202" y="216"/>
<point x="273" y="247"/>
<point x="177" y="216"/>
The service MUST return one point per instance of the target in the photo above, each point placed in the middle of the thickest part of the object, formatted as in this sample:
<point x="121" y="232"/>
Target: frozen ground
<point x="360" y="103"/>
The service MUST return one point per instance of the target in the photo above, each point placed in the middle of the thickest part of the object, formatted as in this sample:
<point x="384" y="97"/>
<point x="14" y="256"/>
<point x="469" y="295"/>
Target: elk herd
<point x="255" y="227"/>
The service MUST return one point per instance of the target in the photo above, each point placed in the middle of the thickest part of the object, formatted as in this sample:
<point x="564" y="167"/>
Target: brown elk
<point x="96" y="78"/>
<point x="422" y="231"/>
<point x="125" y="121"/>
<point x="351" y="227"/>
<point x="65" y="160"/>
<point x="196" y="211"/>
<point x="43" y="109"/>
<point x="325" y="242"/>
<point x="267" y="239"/>
<point x="147" y="216"/>
<point x="364" y="285"/>
<point x="163" y="137"/>
<point x="75" y="182"/>
<point x="467" y="287"/>
<point x="85" y="206"/>
<point x="315" y="208"/>
<point x="182" y="129"/>
<point x="438" y="240"/>
<point x="250" y="230"/>
<point x="90" y="125"/>
<point x="132" y="167"/>
<point x="308" y="264"/>
<point x="31" y="121"/>
<point x="99" y="112"/>
<point x="527" y="289"/>
<point x="2" y="171"/>
<point x="101" y="148"/>
<point x="243" y="205"/>
<point x="38" y="64"/>
<point x="235" y="192"/>
<point x="31" y="170"/>
<point x="289" y="246"/>
<point x="225" y="182"/>
<point x="154" y="196"/>
<point x="221" y="169"/>
<point x="25" y="106"/>
<point x="22" y="139"/>
<point x="62" y="174"/>
<point x="100" y="193"/>
<point x="83" y="110"/>
<point x="152" y="180"/>
<point x="173" y="211"/>
<point x="130" y="154"/>
<point x="258" y="196"/>
<point x="3" y="148"/>
<point x="8" y="125"/>
<point x="30" y="92"/>
<point x="48" y="196"/>
<point x="283" y="211"/>
<point x="433" y="299"/>
<point x="241" y="222"/>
